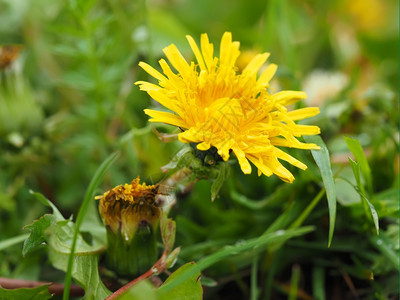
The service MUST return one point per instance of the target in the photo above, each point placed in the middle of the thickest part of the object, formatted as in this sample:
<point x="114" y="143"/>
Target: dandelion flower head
<point x="127" y="206"/>
<point x="216" y="106"/>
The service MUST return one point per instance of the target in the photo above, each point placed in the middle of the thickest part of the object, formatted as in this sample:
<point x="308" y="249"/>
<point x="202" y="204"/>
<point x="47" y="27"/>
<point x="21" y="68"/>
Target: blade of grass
<point x="358" y="152"/>
<point x="89" y="196"/>
<point x="318" y="277"/>
<point x="254" y="273"/>
<point x="322" y="160"/>
<point x="273" y="268"/>
<point x="13" y="241"/>
<point x="294" y="283"/>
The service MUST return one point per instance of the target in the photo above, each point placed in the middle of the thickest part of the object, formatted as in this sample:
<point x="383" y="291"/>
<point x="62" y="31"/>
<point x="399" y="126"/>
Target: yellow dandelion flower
<point x="215" y="106"/>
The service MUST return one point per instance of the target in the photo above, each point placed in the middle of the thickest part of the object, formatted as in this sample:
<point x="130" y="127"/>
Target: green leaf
<point x="58" y="216"/>
<point x="189" y="289"/>
<point x="85" y="267"/>
<point x="89" y="196"/>
<point x="322" y="160"/>
<point x="37" y="233"/>
<point x="369" y="209"/>
<point x="355" y="148"/>
<point x="36" y="293"/>
<point x="357" y="174"/>
<point x="143" y="290"/>
<point x="227" y="251"/>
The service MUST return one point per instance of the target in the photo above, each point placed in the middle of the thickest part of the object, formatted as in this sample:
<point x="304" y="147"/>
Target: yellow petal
<point x="280" y="171"/>
<point x="207" y="49"/>
<point x="290" y="159"/>
<point x="165" y="117"/>
<point x="223" y="149"/>
<point x="303" y="113"/>
<point x="293" y="143"/>
<point x="289" y="97"/>
<point x="153" y="72"/>
<point x="256" y="63"/>
<point x="258" y="162"/>
<point x="307" y="130"/>
<point x="267" y="75"/>
<point x="204" y="146"/>
<point x="147" y="86"/>
<point x="164" y="100"/>
<point x="243" y="162"/>
<point x="196" y="52"/>
<point x="189" y="136"/>
<point x="177" y="60"/>
<point x="229" y="51"/>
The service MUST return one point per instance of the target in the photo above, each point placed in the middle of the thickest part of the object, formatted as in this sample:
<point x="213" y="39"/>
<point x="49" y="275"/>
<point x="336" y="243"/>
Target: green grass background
<point x="69" y="101"/>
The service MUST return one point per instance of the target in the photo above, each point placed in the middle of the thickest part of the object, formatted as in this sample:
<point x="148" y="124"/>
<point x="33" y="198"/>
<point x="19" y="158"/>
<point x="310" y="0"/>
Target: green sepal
<point x="134" y="257"/>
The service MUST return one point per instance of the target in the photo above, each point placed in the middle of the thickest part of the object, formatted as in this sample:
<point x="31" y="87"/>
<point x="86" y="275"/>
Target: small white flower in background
<point x="322" y="85"/>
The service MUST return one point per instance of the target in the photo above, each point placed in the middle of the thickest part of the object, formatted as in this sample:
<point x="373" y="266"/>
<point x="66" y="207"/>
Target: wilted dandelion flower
<point x="215" y="106"/>
<point x="129" y="206"/>
<point x="131" y="215"/>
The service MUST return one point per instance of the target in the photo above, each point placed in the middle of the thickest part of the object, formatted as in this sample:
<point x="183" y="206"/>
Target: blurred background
<point x="67" y="100"/>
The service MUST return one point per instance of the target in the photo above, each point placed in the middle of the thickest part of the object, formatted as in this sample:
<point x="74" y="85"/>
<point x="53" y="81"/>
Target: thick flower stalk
<point x="215" y="106"/>
<point x="131" y="215"/>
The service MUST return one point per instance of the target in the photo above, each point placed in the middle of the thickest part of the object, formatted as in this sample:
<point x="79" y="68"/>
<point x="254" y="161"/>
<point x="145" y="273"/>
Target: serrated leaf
<point x="358" y="152"/>
<point x="85" y="267"/>
<point x="36" y="293"/>
<point x="37" y="233"/>
<point x="58" y="216"/>
<point x="323" y="162"/>
<point x="189" y="289"/>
